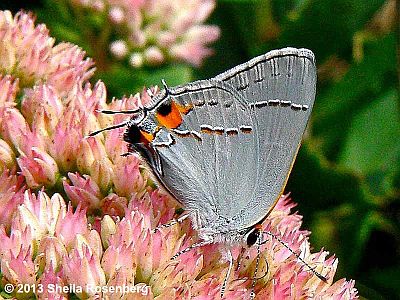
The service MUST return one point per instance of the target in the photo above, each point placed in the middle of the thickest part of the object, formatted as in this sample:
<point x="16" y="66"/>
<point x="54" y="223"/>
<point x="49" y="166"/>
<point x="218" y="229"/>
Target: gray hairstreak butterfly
<point x="224" y="147"/>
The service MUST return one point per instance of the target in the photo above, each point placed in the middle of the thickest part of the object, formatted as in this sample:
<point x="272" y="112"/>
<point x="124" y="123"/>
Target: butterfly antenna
<point x="319" y="275"/>
<point x="123" y="124"/>
<point x="253" y="284"/>
<point x="167" y="90"/>
<point x="115" y="112"/>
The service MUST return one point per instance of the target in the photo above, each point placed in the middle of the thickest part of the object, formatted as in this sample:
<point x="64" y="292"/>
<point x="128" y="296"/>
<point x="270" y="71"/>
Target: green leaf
<point x="372" y="147"/>
<point x="317" y="184"/>
<point x="387" y="280"/>
<point x="335" y="108"/>
<point x="328" y="26"/>
<point x="373" y="141"/>
<point x="338" y="231"/>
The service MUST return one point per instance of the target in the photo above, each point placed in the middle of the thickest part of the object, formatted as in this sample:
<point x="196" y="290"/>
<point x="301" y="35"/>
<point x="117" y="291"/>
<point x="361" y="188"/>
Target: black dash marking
<point x="232" y="131"/>
<point x="212" y="102"/>
<point x="242" y="87"/>
<point x="187" y="133"/>
<point x="260" y="104"/>
<point x="219" y="130"/>
<point x="199" y="103"/>
<point x="285" y="103"/>
<point x="246" y="129"/>
<point x="181" y="132"/>
<point x="196" y="135"/>
<point x="273" y="102"/>
<point x="206" y="128"/>
<point x="296" y="106"/>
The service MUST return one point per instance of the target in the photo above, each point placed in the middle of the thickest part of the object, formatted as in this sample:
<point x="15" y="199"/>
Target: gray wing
<point x="280" y="88"/>
<point x="209" y="162"/>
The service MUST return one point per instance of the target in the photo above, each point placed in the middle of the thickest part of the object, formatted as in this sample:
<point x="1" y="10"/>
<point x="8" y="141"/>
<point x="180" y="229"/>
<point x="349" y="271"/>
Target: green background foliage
<point x="347" y="175"/>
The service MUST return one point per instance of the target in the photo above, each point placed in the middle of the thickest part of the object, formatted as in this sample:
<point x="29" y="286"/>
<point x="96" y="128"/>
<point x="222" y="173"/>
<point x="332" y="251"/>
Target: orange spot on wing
<point x="174" y="118"/>
<point x="146" y="137"/>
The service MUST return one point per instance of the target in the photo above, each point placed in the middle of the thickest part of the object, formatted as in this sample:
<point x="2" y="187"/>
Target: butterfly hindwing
<point x="280" y="87"/>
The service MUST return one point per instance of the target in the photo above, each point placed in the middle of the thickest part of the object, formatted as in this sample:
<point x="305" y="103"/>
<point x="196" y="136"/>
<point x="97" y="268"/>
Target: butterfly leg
<point x="172" y="222"/>
<point x="228" y="273"/>
<point x="195" y="245"/>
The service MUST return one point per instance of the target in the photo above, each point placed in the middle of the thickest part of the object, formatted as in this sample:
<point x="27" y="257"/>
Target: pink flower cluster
<point x="74" y="214"/>
<point x="150" y="32"/>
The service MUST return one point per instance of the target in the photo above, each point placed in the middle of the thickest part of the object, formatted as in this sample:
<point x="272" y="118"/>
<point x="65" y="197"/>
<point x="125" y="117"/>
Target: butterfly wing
<point x="224" y="147"/>
<point x="280" y="87"/>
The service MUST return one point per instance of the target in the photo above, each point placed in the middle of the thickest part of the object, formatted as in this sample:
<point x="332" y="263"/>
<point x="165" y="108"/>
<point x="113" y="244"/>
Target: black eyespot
<point x="165" y="109"/>
<point x="132" y="134"/>
<point x="252" y="237"/>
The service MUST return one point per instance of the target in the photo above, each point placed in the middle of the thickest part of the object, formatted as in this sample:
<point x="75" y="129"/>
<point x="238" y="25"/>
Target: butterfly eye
<point x="252" y="236"/>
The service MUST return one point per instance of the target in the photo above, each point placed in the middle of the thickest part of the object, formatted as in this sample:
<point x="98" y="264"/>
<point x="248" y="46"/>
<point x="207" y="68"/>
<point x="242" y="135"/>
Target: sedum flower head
<point x="128" y="252"/>
<point x="29" y="53"/>
<point x="47" y="109"/>
<point x="151" y="32"/>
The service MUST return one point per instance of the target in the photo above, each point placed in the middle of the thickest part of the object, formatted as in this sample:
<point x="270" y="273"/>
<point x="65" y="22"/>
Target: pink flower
<point x="19" y="269"/>
<point x="40" y="213"/>
<point x="8" y="91"/>
<point x="42" y="97"/>
<point x="57" y="107"/>
<point x="72" y="224"/>
<point x="131" y="253"/>
<point x="114" y="205"/>
<point x="84" y="191"/>
<point x="16" y="243"/>
<point x="11" y="195"/>
<point x="153" y="32"/>
<point x="92" y="158"/>
<point x="39" y="168"/>
<point x="48" y="281"/>
<point x="127" y="176"/>
<point x="90" y="273"/>
<point x="7" y="157"/>
<point x="51" y="253"/>
<point x="28" y="52"/>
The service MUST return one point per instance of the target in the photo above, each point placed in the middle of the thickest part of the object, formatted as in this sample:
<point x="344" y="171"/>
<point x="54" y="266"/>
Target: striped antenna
<point x="319" y="275"/>
<point x="123" y="124"/>
<point x="115" y="112"/>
